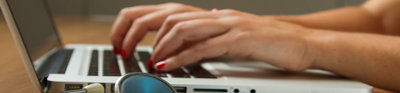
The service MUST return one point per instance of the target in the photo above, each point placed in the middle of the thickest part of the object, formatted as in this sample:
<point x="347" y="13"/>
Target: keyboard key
<point x="179" y="73"/>
<point x="131" y="65"/>
<point x="66" y="61"/>
<point x="199" y="72"/>
<point x="158" y="73"/>
<point x="144" y="57"/>
<point x="110" y="64"/>
<point x="94" y="64"/>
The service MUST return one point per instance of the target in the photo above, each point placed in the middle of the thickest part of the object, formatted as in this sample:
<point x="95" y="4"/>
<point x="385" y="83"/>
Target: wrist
<point x="319" y="47"/>
<point x="303" y="42"/>
<point x="285" y="18"/>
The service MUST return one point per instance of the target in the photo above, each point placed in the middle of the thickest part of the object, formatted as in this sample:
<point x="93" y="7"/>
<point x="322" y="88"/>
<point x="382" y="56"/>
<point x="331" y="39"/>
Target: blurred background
<point x="104" y="8"/>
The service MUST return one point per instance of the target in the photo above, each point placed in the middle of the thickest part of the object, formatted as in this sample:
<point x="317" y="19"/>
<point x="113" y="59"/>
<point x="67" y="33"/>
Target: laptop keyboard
<point x="94" y="64"/>
<point x="199" y="72"/>
<point x="111" y="68"/>
<point x="131" y="65"/>
<point x="110" y="64"/>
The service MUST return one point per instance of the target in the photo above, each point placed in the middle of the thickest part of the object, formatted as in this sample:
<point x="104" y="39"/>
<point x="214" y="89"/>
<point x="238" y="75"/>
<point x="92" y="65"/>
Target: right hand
<point x="133" y="23"/>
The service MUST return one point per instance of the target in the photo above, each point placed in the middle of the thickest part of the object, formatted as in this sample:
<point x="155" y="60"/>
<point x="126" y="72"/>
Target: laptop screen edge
<point x="20" y="46"/>
<point x="28" y="63"/>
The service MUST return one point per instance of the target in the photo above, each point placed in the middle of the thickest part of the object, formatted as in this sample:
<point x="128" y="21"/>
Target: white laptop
<point x="53" y="67"/>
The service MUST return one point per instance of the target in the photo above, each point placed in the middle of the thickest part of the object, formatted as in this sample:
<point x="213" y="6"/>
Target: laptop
<point x="53" y="67"/>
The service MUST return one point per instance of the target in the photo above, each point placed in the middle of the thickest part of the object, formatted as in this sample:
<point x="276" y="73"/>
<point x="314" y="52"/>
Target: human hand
<point x="188" y="37"/>
<point x="133" y="23"/>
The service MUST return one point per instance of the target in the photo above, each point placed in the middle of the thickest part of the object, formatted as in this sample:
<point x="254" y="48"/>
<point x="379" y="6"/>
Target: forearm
<point x="374" y="59"/>
<point x="343" y="19"/>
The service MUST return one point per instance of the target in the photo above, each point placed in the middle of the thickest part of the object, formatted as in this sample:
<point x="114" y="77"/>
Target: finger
<point x="173" y="19"/>
<point x="210" y="48"/>
<point x="124" y="21"/>
<point x="140" y="27"/>
<point x="192" y="30"/>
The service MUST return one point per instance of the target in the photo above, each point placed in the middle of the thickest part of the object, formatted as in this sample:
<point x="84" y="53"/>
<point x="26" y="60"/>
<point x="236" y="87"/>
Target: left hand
<point x="186" y="38"/>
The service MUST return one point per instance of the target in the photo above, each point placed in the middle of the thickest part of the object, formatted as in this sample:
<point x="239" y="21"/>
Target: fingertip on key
<point x="150" y="63"/>
<point x="123" y="53"/>
<point x="115" y="51"/>
<point x="160" y="65"/>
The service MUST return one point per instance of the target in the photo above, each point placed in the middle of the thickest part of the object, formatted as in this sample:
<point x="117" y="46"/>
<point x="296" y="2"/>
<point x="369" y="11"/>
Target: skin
<point x="359" y="42"/>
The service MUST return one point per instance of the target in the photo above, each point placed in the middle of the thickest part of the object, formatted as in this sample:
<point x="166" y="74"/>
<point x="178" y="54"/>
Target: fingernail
<point x="115" y="50"/>
<point x="160" y="65"/>
<point x="150" y="63"/>
<point x="123" y="53"/>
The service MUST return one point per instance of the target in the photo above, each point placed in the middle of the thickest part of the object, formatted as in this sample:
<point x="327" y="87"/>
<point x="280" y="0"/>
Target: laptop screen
<point x="35" y="26"/>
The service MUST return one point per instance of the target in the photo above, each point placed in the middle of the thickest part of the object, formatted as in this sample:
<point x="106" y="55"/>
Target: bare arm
<point x="371" y="58"/>
<point x="374" y="16"/>
<point x="374" y="59"/>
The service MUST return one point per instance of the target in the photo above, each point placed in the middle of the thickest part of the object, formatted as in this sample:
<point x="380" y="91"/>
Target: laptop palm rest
<point x="240" y="67"/>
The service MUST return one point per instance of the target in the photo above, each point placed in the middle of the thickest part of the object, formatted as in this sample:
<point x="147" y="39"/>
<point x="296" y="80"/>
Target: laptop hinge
<point x="57" y="62"/>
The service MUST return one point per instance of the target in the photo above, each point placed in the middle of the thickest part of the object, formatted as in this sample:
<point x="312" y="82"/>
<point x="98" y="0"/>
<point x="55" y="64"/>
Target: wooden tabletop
<point x="72" y="29"/>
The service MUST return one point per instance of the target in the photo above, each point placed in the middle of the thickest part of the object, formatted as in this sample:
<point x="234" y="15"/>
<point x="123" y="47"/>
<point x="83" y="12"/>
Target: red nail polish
<point x="150" y="64"/>
<point x="123" y="53"/>
<point x="115" y="50"/>
<point x="160" y="65"/>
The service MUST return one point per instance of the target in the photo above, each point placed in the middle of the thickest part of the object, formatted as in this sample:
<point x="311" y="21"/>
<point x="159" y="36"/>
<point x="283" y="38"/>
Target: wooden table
<point x="72" y="29"/>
